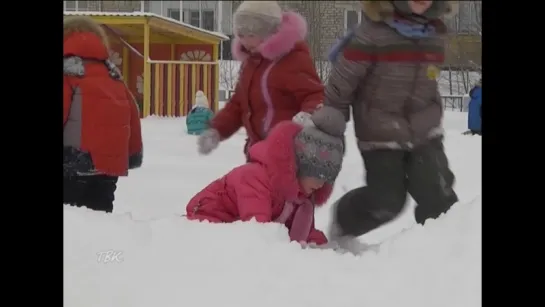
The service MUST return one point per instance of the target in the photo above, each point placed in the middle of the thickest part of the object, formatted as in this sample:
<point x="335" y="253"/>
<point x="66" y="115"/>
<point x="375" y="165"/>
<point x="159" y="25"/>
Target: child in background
<point x="474" y="116"/>
<point x="288" y="174"/>
<point x="200" y="115"/>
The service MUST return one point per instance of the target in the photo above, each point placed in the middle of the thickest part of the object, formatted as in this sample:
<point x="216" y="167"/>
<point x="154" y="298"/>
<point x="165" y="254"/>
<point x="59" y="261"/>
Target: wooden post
<point x="171" y="106"/>
<point x="147" y="70"/>
<point x="215" y="51"/>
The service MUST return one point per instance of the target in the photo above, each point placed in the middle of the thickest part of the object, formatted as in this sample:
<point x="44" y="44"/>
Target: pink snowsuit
<point x="266" y="188"/>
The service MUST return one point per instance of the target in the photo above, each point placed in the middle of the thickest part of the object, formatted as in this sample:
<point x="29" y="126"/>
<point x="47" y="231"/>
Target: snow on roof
<point x="146" y="14"/>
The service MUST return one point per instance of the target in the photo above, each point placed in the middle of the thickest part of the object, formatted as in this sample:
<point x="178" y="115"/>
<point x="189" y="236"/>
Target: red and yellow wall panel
<point x="173" y="86"/>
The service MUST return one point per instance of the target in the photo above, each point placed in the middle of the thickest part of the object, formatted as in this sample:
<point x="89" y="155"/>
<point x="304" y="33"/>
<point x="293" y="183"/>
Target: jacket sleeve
<point x="136" y="153"/>
<point x="316" y="236"/>
<point x="66" y="100"/>
<point x="254" y="196"/>
<point x="305" y="84"/>
<point x="229" y="119"/>
<point x="350" y="66"/>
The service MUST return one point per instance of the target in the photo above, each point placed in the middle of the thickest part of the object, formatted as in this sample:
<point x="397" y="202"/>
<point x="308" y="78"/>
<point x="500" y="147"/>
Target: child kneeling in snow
<point x="198" y="119"/>
<point x="288" y="174"/>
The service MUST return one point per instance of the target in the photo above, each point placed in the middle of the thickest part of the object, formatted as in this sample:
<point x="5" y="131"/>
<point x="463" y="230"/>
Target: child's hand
<point x="208" y="141"/>
<point x="303" y="119"/>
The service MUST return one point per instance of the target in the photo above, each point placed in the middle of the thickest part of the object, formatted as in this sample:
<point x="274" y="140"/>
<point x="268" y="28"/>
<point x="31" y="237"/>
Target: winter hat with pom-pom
<point x="319" y="148"/>
<point x="201" y="100"/>
<point x="260" y="18"/>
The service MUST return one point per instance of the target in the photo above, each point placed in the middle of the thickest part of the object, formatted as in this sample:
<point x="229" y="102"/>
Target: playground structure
<point x="164" y="62"/>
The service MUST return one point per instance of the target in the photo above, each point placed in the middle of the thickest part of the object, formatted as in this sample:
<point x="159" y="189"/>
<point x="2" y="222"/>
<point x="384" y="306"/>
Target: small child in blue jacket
<point x="474" y="117"/>
<point x="198" y="118"/>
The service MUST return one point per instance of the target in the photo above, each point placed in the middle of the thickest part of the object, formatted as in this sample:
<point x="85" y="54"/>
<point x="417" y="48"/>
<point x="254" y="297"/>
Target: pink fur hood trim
<point x="292" y="30"/>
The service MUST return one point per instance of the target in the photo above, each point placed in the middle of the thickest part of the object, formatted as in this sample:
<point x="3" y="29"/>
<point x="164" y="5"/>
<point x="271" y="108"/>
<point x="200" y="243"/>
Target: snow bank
<point x="172" y="262"/>
<point x="146" y="255"/>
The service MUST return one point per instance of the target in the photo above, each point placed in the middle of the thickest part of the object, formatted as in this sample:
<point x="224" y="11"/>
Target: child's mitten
<point x="208" y="141"/>
<point x="303" y="119"/>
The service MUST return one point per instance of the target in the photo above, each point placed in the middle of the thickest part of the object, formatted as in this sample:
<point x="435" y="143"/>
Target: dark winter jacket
<point x="389" y="78"/>
<point x="474" y="113"/>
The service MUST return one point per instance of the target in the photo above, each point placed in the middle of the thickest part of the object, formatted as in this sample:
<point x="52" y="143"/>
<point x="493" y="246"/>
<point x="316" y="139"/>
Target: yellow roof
<point x="155" y="17"/>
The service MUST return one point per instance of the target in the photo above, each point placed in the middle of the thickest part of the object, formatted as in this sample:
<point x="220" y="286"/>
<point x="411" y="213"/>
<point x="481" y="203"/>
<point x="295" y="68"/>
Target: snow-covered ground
<point x="145" y="254"/>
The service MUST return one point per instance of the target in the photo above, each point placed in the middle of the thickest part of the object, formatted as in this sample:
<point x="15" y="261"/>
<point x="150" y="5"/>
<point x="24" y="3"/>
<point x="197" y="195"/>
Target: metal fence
<point x="455" y="102"/>
<point x="458" y="103"/>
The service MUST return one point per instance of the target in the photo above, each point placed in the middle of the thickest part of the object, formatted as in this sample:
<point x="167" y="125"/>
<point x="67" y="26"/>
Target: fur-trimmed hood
<point x="277" y="154"/>
<point x="293" y="29"/>
<point x="377" y="10"/>
<point x="84" y="37"/>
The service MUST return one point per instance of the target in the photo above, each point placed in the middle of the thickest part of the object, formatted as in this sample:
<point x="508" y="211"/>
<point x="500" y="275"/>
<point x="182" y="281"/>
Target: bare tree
<point x="315" y="13"/>
<point x="465" y="49"/>
<point x="475" y="30"/>
<point x="228" y="78"/>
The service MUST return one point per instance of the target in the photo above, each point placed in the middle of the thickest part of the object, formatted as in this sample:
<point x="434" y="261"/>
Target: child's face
<point x="420" y="7"/>
<point x="250" y="42"/>
<point x="310" y="184"/>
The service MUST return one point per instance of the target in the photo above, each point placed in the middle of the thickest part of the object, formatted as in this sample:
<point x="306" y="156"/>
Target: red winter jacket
<point x="261" y="188"/>
<point x="273" y="85"/>
<point x="102" y="133"/>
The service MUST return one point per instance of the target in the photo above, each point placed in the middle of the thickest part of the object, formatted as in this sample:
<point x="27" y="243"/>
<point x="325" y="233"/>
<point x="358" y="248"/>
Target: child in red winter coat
<point x="277" y="78"/>
<point x="102" y="136"/>
<point x="288" y="174"/>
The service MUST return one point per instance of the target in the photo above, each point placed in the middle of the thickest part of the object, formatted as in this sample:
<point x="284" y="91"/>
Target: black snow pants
<point x="424" y="173"/>
<point x="94" y="192"/>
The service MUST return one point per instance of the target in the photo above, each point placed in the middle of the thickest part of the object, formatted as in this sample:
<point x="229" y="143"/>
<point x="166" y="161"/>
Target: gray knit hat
<point x="260" y="18"/>
<point x="319" y="149"/>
